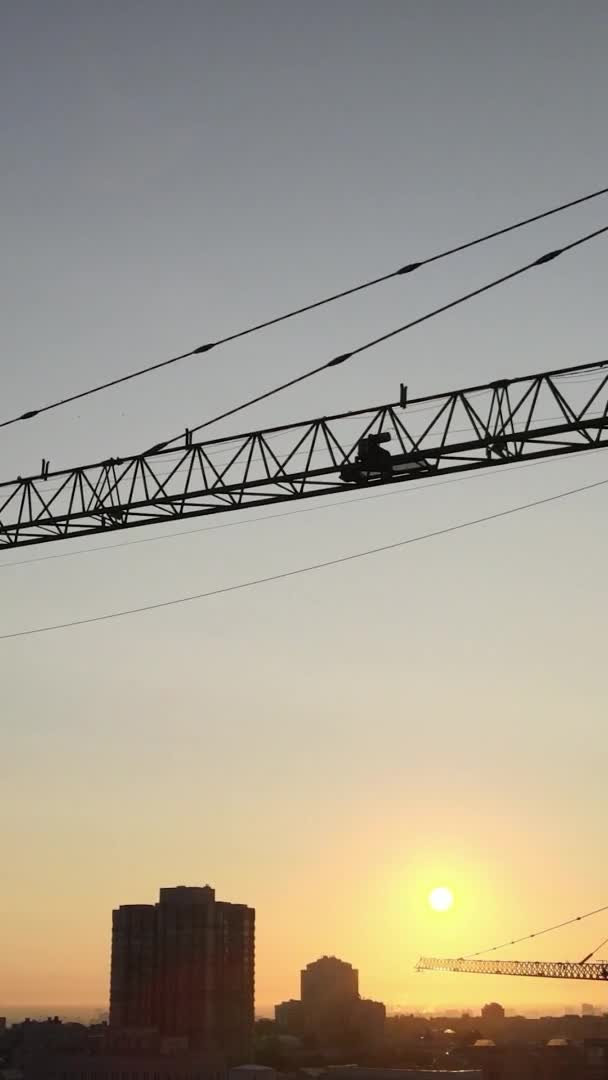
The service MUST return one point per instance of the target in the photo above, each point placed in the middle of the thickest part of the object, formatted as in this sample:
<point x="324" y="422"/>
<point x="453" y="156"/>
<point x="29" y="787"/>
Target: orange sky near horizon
<point x="380" y="924"/>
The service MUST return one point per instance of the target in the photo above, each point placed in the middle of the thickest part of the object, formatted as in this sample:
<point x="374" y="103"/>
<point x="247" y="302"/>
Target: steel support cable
<point x="306" y="570"/>
<point x="547" y="930"/>
<point x="406" y="269"/>
<point x="594" y="951"/>
<point x="343" y="357"/>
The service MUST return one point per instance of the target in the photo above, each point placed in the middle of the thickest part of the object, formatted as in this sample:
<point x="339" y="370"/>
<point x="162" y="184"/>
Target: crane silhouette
<point x="540" y="969"/>
<point x="531" y="417"/>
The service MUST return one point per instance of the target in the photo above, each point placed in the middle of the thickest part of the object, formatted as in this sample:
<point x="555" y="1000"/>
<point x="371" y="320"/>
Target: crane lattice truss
<point x="548" y="969"/>
<point x="535" y="416"/>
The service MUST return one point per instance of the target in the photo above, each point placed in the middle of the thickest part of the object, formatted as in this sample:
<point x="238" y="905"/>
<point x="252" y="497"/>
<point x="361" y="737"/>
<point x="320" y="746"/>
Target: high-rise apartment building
<point x="185" y="966"/>
<point x="133" y="965"/>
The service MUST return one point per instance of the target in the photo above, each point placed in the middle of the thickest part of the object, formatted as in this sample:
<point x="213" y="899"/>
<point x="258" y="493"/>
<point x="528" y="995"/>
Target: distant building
<point x="36" y="1042"/>
<point x="289" y="1016"/>
<point x="587" y="1010"/>
<point x="41" y="1037"/>
<point x="328" y="982"/>
<point x="370" y="1018"/>
<point x="493" y="1011"/>
<point x="330" y="1011"/>
<point x="52" y="1050"/>
<point x="185" y="967"/>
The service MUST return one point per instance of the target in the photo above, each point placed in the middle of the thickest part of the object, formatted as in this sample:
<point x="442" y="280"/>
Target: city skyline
<point x="331" y="747"/>
<point x="199" y="895"/>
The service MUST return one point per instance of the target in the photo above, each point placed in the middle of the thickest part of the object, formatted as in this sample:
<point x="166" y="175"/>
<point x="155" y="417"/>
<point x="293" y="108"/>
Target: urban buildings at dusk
<point x="182" y="1008"/>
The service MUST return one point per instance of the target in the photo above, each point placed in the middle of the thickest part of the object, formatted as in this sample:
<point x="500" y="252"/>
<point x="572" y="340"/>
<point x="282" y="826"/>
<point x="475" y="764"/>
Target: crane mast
<point x="541" y="969"/>
<point x="559" y="412"/>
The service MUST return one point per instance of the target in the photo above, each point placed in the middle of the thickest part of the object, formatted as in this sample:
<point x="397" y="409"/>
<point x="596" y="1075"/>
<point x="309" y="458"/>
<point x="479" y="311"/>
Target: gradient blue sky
<point x="330" y="748"/>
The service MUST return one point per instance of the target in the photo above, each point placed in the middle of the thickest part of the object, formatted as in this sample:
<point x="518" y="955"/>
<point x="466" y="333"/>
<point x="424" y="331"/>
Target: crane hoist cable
<point x="594" y="951"/>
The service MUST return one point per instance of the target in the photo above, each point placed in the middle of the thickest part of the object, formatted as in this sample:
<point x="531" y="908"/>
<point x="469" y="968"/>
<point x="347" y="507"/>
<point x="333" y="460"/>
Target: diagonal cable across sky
<point x="406" y="269"/>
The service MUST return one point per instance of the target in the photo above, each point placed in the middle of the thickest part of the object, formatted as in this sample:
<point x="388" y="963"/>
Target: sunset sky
<point x="331" y="748"/>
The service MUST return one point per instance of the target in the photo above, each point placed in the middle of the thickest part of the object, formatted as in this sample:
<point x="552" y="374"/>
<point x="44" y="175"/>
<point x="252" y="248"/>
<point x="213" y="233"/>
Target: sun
<point x="441" y="898"/>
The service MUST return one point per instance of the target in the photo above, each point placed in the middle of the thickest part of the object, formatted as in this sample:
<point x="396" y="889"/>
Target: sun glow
<point x="441" y="898"/>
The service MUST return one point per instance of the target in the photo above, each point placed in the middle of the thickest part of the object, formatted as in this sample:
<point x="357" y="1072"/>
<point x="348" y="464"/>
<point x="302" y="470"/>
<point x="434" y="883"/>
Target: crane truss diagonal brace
<point x="535" y="416"/>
